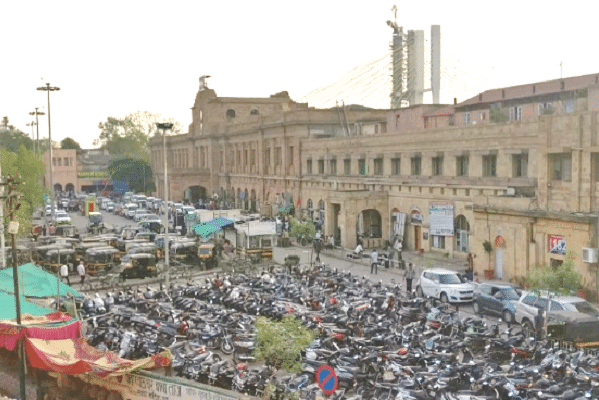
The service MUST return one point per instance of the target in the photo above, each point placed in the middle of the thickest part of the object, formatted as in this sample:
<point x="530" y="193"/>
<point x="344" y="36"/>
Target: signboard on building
<point x="557" y="244"/>
<point x="93" y="174"/>
<point x="440" y="218"/>
<point x="416" y="218"/>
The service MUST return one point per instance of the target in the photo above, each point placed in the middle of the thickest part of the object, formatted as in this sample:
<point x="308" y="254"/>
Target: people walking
<point x="398" y="247"/>
<point x="64" y="273"/>
<point x="317" y="248"/>
<point x="374" y="262"/>
<point x="81" y="271"/>
<point x="409" y="275"/>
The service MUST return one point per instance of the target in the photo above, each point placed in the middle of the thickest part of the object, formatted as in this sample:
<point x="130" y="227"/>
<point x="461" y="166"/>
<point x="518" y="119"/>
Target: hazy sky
<point x="114" y="57"/>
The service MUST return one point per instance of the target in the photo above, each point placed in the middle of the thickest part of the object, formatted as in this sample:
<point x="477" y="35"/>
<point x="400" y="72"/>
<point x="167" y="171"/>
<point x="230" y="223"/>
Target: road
<point x="334" y="259"/>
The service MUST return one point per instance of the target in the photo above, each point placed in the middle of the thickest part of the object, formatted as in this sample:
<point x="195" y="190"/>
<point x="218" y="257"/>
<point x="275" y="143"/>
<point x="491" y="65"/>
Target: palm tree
<point x="5" y="122"/>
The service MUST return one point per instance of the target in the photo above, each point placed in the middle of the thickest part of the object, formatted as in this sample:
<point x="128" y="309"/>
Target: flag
<point x="297" y="203"/>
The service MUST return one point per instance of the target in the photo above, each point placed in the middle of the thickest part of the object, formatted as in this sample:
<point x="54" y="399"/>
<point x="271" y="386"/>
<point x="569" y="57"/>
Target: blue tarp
<point x="208" y="228"/>
<point x="34" y="282"/>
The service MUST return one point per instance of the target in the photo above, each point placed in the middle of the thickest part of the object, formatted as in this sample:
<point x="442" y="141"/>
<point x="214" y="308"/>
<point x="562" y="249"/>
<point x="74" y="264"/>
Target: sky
<point x="112" y="58"/>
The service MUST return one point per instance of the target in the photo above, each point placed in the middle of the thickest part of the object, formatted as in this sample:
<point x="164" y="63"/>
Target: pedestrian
<point x="81" y="271"/>
<point x="317" y="249"/>
<point x="470" y="260"/>
<point x="374" y="262"/>
<point x="64" y="273"/>
<point x="409" y="275"/>
<point x="539" y="324"/>
<point x="332" y="242"/>
<point x="398" y="247"/>
<point x="359" y="250"/>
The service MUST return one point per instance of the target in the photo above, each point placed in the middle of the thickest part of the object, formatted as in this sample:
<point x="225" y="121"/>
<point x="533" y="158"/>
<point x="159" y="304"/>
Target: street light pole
<point x="164" y="127"/>
<point x="32" y="124"/>
<point x="37" y="123"/>
<point x="49" y="89"/>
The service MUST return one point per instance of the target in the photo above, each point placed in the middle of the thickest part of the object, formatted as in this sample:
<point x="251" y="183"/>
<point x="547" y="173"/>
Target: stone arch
<point x="57" y="187"/>
<point x="321" y="213"/>
<point x="194" y="193"/>
<point x="246" y="200"/>
<point x="369" y="224"/>
<point x="69" y="187"/>
<point x="310" y="208"/>
<point x="462" y="234"/>
<point x="253" y="200"/>
<point x="230" y="115"/>
<point x="254" y="111"/>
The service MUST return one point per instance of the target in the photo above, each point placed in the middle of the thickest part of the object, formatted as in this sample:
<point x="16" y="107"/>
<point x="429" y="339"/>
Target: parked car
<point x="497" y="298"/>
<point x="445" y="285"/>
<point x="139" y="214"/>
<point x="529" y="303"/>
<point x="62" y="217"/>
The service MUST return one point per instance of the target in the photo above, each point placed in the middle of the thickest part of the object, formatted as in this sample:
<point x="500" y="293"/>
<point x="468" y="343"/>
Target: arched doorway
<point x="238" y="201"/>
<point x="57" y="187"/>
<point x="194" y="193"/>
<point x="253" y="205"/>
<point x="462" y="233"/>
<point x="310" y="207"/>
<point x="69" y="187"/>
<point x="320" y="222"/>
<point x="246" y="200"/>
<point x="369" y="224"/>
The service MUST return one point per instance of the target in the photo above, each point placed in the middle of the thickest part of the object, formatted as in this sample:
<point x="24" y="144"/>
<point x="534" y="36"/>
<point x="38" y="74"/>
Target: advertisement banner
<point x="557" y="244"/>
<point x="440" y="217"/>
<point x="93" y="174"/>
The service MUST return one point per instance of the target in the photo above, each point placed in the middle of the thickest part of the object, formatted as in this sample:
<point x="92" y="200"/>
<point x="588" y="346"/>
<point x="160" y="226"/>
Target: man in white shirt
<point x="81" y="271"/>
<point x="64" y="273"/>
<point x="374" y="262"/>
<point x="359" y="249"/>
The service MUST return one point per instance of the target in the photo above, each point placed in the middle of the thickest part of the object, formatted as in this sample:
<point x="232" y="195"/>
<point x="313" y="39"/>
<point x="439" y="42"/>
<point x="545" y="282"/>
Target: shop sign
<point x="440" y="218"/>
<point x="557" y="244"/>
<point x="93" y="174"/>
<point x="416" y="219"/>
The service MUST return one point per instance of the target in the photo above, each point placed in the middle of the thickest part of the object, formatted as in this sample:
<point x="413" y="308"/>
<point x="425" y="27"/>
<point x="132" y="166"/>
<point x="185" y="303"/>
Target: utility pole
<point x="164" y="127"/>
<point x="49" y="89"/>
<point x="32" y="124"/>
<point x="37" y="122"/>
<point x="2" y="251"/>
<point x="13" y="228"/>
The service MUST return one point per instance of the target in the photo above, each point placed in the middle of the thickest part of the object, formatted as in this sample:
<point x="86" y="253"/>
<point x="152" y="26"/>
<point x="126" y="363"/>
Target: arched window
<point x="254" y="111"/>
<point x="230" y="115"/>
<point x="462" y="233"/>
<point x="309" y="204"/>
<point x="310" y="209"/>
<point x="321" y="210"/>
<point x="369" y="224"/>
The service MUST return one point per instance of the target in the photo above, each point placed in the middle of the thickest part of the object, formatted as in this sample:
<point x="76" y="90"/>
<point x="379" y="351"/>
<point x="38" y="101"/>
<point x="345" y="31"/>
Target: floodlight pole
<point x="164" y="127"/>
<point x="36" y="147"/>
<point x="49" y="89"/>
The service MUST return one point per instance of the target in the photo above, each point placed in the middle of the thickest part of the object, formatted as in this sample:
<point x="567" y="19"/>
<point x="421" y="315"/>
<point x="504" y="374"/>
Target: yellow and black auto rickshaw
<point x="98" y="259"/>
<point x="207" y="255"/>
<point x="138" y="266"/>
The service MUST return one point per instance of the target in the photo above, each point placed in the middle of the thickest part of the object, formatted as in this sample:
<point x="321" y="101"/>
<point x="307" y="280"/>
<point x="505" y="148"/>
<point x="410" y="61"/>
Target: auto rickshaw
<point x="55" y="258"/>
<point x="100" y="258"/>
<point x="183" y="250"/>
<point x="149" y="248"/>
<point x="152" y="226"/>
<point x="39" y="253"/>
<point x="67" y="231"/>
<point x="207" y="255"/>
<point x="81" y="248"/>
<point x="138" y="266"/>
<point x="148" y="236"/>
<point x="24" y="255"/>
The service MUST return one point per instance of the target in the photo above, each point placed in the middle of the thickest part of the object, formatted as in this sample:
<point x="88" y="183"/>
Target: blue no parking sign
<point x="327" y="379"/>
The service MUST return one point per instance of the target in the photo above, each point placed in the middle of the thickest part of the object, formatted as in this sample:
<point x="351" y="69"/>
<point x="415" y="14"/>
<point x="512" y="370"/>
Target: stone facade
<point x="521" y="181"/>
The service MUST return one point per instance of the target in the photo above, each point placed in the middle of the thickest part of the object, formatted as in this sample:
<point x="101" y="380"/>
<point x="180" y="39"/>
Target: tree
<point x="12" y="139"/>
<point x="28" y="169"/>
<point x="281" y="343"/>
<point x="135" y="171"/>
<point x="69" y="143"/>
<point x="129" y="135"/>
<point x="564" y="280"/>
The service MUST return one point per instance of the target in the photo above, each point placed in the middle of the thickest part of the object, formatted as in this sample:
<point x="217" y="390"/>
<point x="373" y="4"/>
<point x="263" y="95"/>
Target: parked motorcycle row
<point x="382" y="343"/>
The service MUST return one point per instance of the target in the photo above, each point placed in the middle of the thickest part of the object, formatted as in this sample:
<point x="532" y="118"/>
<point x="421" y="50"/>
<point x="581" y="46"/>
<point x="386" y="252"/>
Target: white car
<point x="139" y="214"/>
<point x="445" y="285"/>
<point x="130" y="209"/>
<point x="62" y="218"/>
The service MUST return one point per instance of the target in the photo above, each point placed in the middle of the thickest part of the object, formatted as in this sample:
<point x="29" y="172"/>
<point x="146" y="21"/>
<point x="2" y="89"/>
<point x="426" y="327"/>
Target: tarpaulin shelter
<point x="34" y="282"/>
<point x="213" y="226"/>
<point x="76" y="356"/>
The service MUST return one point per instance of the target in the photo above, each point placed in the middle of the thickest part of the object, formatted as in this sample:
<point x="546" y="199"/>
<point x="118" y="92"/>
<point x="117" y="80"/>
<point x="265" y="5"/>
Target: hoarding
<point x="557" y="244"/>
<point x="440" y="217"/>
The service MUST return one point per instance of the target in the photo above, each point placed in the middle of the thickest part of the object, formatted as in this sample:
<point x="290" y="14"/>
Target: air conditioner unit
<point x="510" y="191"/>
<point x="589" y="255"/>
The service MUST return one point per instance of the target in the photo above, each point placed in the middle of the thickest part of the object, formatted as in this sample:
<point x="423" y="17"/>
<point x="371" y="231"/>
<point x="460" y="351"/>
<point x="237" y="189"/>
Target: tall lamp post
<point x="32" y="124"/>
<point x="37" y="123"/>
<point x="49" y="89"/>
<point x="164" y="126"/>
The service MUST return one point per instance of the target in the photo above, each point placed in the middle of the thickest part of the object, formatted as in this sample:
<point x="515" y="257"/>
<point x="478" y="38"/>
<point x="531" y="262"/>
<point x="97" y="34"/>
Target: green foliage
<point x="12" y="139"/>
<point x="69" y="143"/>
<point x="487" y="246"/>
<point x="497" y="115"/>
<point x="564" y="280"/>
<point x="136" y="172"/>
<point x="28" y="169"/>
<point x="301" y="228"/>
<point x="128" y="136"/>
<point x="281" y="343"/>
